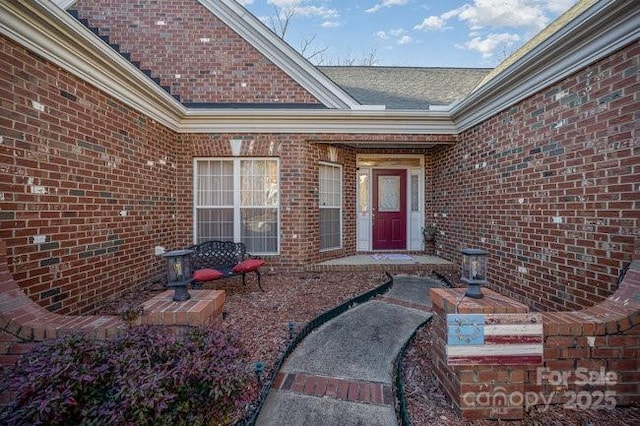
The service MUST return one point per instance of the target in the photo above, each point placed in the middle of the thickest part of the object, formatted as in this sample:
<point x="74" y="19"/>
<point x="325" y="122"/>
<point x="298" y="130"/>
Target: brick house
<point x="131" y="125"/>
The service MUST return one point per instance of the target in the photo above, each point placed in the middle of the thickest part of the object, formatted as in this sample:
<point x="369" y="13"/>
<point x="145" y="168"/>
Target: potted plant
<point x="429" y="232"/>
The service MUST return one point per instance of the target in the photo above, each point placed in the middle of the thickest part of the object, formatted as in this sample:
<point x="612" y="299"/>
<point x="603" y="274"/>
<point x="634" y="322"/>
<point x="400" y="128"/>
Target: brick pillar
<point x="203" y="309"/>
<point x="476" y="391"/>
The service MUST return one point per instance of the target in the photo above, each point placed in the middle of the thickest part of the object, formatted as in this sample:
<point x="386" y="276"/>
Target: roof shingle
<point x="405" y="87"/>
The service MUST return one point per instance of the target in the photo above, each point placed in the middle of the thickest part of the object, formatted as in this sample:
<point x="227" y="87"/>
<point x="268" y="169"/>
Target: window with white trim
<point x="330" y="192"/>
<point x="238" y="199"/>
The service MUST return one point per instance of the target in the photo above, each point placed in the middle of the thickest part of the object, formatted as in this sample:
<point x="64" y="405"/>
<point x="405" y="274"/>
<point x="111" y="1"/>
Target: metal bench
<point x="212" y="260"/>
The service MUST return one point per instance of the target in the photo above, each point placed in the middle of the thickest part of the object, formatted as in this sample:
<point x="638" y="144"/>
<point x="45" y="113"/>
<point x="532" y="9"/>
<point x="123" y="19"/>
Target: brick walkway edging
<point x="342" y="389"/>
<point x="351" y="390"/>
<point x="304" y="332"/>
<point x="335" y="388"/>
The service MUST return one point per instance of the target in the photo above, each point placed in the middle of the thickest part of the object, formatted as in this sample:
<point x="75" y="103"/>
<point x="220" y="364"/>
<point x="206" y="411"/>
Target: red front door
<point x="389" y="209"/>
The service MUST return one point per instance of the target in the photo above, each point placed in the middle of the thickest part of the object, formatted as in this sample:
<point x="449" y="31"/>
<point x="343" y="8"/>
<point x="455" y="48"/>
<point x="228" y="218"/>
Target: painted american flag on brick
<point x="494" y="339"/>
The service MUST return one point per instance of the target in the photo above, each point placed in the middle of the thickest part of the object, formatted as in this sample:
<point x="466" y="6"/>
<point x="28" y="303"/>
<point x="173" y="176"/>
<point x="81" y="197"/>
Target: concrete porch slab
<point x="389" y="262"/>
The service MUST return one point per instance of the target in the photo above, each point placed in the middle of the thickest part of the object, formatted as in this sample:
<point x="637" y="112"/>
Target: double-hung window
<point x="237" y="199"/>
<point x="330" y="206"/>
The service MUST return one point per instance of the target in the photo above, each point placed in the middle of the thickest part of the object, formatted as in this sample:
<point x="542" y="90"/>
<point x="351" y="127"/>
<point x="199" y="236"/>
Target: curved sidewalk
<point x="342" y="373"/>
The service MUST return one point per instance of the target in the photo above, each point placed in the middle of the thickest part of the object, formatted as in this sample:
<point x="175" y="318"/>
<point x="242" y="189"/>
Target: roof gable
<point x="211" y="53"/>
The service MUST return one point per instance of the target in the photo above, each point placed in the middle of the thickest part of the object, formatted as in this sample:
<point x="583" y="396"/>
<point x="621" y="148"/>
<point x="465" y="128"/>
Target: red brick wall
<point x="299" y="212"/>
<point x="602" y="338"/>
<point x="298" y="177"/>
<point x="570" y="152"/>
<point x="68" y="172"/>
<point x="224" y="69"/>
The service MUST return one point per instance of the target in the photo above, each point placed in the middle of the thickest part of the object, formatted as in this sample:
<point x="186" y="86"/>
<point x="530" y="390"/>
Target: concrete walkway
<point x="341" y="374"/>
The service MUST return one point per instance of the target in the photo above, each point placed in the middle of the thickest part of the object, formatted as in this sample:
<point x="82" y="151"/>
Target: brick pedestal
<point x="203" y="309"/>
<point x="477" y="391"/>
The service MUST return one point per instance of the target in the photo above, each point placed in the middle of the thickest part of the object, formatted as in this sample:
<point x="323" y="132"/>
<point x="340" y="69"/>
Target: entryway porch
<point x="390" y="262"/>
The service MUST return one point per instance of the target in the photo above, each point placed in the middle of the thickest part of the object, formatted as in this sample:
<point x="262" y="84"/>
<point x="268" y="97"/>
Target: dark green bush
<point x="144" y="377"/>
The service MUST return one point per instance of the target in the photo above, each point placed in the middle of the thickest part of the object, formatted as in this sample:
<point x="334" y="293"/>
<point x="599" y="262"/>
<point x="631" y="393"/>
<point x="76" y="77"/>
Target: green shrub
<point x="145" y="377"/>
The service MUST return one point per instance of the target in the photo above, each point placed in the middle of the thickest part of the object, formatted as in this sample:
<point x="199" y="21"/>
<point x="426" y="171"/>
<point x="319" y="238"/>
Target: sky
<point x="420" y="33"/>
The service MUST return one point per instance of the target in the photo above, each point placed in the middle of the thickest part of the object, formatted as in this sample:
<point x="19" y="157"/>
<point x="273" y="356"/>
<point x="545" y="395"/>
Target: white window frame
<point x="337" y="167"/>
<point x="237" y="205"/>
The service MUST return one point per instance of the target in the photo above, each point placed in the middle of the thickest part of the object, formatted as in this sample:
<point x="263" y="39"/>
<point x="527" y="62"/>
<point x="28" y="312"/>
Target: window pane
<point x="222" y="197"/>
<point x="330" y="186"/>
<point x="389" y="193"/>
<point x="259" y="183"/>
<point x="259" y="230"/>
<point x="414" y="194"/>
<point x="330" y="200"/>
<point x="329" y="228"/>
<point x="215" y="183"/>
<point x="214" y="224"/>
<point x="363" y="193"/>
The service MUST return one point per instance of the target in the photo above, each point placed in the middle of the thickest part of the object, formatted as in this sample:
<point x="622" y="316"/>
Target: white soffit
<point x="317" y="121"/>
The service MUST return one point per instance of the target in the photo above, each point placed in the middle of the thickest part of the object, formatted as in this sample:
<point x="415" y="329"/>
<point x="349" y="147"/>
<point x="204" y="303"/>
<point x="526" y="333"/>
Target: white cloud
<point x="317" y="11"/>
<point x="488" y="45"/>
<point x="486" y="21"/>
<point x="285" y="3"/>
<point x="301" y="9"/>
<point x="405" y="40"/>
<point x="504" y="13"/>
<point x="431" y="23"/>
<point x="526" y="14"/>
<point x="450" y="14"/>
<point x="330" y="24"/>
<point x="386" y="3"/>
<point x="396" y="36"/>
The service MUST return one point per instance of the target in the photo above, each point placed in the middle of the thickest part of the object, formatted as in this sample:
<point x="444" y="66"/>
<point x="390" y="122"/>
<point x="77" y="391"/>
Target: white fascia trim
<point x="280" y="53"/>
<point x="49" y="31"/>
<point x="317" y="121"/>
<point x="600" y="31"/>
<point x="64" y="4"/>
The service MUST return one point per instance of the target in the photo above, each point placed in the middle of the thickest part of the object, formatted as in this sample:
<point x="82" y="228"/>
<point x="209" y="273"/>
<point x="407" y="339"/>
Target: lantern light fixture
<point x="179" y="273"/>
<point x="474" y="271"/>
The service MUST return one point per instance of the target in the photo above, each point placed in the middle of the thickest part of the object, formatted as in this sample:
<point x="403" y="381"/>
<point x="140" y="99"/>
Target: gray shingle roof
<point x="405" y="87"/>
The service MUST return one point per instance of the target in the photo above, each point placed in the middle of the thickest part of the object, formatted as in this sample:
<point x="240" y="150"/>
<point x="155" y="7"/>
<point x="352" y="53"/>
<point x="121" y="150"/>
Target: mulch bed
<point x="261" y="320"/>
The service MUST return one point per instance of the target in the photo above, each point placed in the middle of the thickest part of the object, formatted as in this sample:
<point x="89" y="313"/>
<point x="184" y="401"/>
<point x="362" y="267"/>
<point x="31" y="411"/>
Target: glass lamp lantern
<point x="179" y="273"/>
<point x="474" y="271"/>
